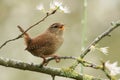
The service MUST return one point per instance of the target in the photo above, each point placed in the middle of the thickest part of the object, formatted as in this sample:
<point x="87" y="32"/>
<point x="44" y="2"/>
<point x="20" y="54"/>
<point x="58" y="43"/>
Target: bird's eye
<point x="55" y="26"/>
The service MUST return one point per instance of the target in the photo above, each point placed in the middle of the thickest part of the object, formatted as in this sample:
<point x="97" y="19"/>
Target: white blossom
<point x="52" y="6"/>
<point x="114" y="70"/>
<point x="104" y="50"/>
<point x="40" y="7"/>
<point x="55" y="4"/>
<point x="64" y="9"/>
<point x="92" y="48"/>
<point x="59" y="5"/>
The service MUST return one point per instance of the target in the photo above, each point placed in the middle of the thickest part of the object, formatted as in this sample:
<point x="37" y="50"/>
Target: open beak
<point x="62" y="27"/>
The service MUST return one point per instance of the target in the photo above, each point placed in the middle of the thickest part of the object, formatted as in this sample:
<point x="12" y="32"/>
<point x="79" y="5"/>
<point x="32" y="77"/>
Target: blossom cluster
<point x="55" y="5"/>
<point x="114" y="70"/>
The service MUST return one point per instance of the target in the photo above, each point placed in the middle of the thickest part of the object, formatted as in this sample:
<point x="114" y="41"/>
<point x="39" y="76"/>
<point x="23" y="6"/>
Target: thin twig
<point x="62" y="57"/>
<point x="19" y="36"/>
<point x="83" y="62"/>
<point x="100" y="37"/>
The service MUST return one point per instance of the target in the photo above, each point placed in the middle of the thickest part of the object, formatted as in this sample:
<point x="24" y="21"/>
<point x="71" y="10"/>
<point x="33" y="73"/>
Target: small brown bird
<point x="46" y="44"/>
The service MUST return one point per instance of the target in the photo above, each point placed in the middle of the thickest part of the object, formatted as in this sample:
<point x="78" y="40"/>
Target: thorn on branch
<point x="109" y="35"/>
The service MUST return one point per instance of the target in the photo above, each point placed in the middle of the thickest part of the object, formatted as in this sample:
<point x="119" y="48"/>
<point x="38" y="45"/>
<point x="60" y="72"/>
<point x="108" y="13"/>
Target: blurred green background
<point x="98" y="15"/>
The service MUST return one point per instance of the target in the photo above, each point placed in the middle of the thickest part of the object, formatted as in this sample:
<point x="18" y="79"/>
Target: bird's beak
<point x="62" y="27"/>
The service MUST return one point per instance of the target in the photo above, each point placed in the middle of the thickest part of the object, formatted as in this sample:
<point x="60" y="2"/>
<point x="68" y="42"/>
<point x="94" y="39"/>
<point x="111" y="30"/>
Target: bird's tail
<point x="26" y="36"/>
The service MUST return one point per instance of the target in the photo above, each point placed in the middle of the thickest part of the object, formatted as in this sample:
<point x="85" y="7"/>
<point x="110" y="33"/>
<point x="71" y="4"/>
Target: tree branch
<point x="47" y="70"/>
<point x="19" y="36"/>
<point x="100" y="37"/>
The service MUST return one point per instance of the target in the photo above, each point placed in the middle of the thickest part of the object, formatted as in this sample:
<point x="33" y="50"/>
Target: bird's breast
<point x="57" y="42"/>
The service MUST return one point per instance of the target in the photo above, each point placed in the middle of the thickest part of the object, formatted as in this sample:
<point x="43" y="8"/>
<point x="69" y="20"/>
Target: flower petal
<point x="40" y="7"/>
<point x="114" y="70"/>
<point x="64" y="9"/>
<point x="104" y="50"/>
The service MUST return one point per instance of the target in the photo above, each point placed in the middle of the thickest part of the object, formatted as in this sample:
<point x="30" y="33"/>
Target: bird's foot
<point x="57" y="58"/>
<point x="44" y="63"/>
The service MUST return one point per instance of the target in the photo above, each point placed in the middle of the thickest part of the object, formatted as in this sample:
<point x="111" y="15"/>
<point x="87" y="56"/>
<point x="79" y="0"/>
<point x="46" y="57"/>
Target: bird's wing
<point x="39" y="42"/>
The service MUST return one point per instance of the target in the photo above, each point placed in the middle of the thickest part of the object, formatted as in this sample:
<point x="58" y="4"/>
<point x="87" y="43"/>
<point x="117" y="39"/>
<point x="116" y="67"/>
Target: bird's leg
<point x="44" y="61"/>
